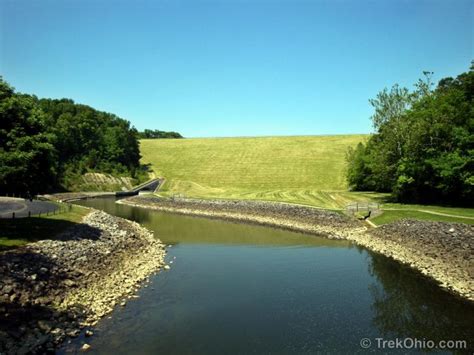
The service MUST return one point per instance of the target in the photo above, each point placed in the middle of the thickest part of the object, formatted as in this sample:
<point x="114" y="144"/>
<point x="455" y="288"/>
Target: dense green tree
<point x="359" y="174"/>
<point x="156" y="134"/>
<point x="423" y="146"/>
<point x="43" y="142"/>
<point x="91" y="140"/>
<point x="27" y="155"/>
<point x="439" y="165"/>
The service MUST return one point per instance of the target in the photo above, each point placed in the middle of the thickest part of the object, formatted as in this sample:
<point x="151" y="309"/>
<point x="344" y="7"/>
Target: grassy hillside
<point x="308" y="170"/>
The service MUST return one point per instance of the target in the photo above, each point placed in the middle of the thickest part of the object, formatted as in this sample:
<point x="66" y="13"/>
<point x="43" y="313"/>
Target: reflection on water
<point x="175" y="228"/>
<point x="406" y="305"/>
<point x="242" y="289"/>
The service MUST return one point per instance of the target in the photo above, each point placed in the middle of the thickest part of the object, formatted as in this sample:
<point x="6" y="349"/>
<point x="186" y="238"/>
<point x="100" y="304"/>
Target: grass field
<point x="393" y="215"/>
<point x="306" y="170"/>
<point x="20" y="231"/>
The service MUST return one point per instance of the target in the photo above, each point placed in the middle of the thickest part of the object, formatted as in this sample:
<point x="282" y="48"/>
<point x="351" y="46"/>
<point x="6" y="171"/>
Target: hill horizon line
<point x="268" y="136"/>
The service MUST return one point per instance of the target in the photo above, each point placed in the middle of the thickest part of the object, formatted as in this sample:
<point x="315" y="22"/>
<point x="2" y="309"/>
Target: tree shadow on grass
<point x="146" y="167"/>
<point x="17" y="232"/>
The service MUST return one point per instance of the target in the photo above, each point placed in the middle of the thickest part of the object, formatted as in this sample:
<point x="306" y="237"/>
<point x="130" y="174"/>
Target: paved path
<point x="21" y="207"/>
<point x="446" y="214"/>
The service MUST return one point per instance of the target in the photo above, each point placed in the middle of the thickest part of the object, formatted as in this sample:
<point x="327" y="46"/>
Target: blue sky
<point x="232" y="68"/>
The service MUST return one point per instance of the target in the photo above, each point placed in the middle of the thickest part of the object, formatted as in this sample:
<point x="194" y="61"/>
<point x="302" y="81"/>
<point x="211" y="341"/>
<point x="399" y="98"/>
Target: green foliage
<point x="358" y="173"/>
<point x="45" y="142"/>
<point x="27" y="155"/>
<point x="154" y="134"/>
<point x="90" y="140"/>
<point x="423" y="148"/>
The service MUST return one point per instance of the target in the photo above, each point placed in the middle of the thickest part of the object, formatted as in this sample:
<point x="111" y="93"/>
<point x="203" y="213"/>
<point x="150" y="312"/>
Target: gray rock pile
<point x="52" y="289"/>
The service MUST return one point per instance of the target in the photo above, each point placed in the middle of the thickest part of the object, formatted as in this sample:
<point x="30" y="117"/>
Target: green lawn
<point x="392" y="215"/>
<point x="458" y="211"/>
<point x="20" y="231"/>
<point x="307" y="170"/>
<point x="394" y="211"/>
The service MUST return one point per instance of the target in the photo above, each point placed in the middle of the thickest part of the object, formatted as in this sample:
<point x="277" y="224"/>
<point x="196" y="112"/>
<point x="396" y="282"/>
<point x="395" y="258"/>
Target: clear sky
<point x="230" y="67"/>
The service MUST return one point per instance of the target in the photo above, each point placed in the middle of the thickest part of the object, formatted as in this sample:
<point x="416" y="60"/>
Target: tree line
<point x="45" y="143"/>
<point x="157" y="134"/>
<point x="422" y="150"/>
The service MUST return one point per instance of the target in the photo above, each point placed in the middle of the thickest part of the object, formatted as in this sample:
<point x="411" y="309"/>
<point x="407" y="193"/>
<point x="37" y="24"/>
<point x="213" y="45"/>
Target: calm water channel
<point x="240" y="289"/>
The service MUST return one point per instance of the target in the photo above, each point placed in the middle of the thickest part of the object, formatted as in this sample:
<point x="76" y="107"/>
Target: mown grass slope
<point x="308" y="170"/>
<point x="302" y="169"/>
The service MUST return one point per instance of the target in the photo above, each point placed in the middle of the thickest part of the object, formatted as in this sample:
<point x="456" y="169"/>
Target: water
<point x="240" y="289"/>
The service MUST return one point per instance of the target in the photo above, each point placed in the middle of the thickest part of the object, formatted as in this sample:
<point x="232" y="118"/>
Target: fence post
<point x="357" y="206"/>
<point x="29" y="214"/>
<point x="13" y="215"/>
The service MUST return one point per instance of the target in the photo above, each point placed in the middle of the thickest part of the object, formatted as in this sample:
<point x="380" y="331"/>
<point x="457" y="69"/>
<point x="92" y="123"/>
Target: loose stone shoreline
<point x="441" y="251"/>
<point x="51" y="289"/>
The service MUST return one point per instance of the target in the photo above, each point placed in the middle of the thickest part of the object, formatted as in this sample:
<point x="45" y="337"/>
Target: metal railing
<point x="363" y="207"/>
